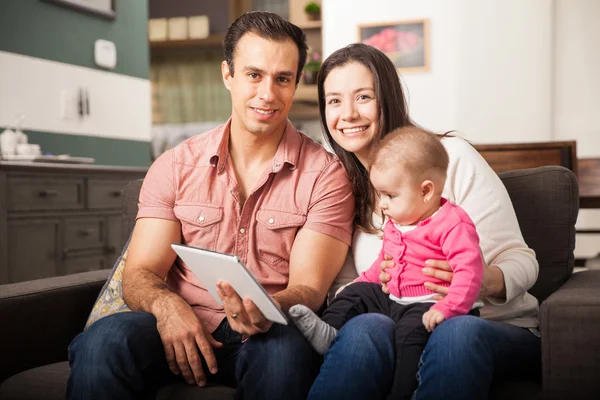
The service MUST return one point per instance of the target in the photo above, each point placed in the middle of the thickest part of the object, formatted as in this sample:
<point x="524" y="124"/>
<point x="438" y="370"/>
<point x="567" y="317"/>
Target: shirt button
<point x="242" y="230"/>
<point x="201" y="219"/>
<point x="271" y="221"/>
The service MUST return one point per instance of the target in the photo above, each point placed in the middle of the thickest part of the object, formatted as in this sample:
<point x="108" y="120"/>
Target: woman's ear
<point x="427" y="190"/>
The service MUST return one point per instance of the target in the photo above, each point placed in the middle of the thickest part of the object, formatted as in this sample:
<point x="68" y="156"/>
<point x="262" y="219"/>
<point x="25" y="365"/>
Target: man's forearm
<point x="300" y="294"/>
<point x="145" y="291"/>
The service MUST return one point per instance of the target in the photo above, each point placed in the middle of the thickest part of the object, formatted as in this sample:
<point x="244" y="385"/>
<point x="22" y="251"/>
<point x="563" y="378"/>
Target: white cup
<point x="29" y="149"/>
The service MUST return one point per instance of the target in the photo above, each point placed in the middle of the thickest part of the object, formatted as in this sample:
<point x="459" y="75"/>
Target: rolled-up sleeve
<point x="331" y="209"/>
<point x="157" y="196"/>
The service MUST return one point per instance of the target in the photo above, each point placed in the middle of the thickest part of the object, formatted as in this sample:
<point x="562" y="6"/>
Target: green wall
<point x="46" y="30"/>
<point x="43" y="29"/>
<point x="105" y="151"/>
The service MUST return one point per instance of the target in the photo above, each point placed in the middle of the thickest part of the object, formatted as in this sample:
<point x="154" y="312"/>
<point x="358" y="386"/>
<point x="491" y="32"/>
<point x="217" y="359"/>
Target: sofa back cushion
<point x="546" y="201"/>
<point x="131" y="196"/>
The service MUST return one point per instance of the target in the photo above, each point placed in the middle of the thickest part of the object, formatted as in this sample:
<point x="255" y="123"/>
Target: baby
<point x="408" y="172"/>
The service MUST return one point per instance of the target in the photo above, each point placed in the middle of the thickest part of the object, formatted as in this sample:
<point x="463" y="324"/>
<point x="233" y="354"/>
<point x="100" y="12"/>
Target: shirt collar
<point x="288" y="150"/>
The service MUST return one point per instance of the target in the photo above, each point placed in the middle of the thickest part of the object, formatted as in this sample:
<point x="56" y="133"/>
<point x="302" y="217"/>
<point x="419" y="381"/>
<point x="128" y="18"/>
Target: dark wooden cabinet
<point x="32" y="249"/>
<point x="59" y="219"/>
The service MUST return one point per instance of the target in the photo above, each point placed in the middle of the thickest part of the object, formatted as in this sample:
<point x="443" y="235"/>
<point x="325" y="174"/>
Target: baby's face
<point x="400" y="197"/>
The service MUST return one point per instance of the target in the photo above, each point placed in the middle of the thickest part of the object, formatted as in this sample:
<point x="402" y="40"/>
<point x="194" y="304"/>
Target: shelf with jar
<point x="307" y="16"/>
<point x="305" y="105"/>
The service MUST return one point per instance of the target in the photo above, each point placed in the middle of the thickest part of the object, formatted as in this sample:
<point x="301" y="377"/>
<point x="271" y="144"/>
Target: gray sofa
<point x="39" y="318"/>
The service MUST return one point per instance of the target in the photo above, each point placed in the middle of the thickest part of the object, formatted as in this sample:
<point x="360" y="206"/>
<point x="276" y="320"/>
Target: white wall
<point x="491" y="63"/>
<point x="577" y="78"/>
<point x="119" y="104"/>
<point x="501" y="70"/>
<point x="577" y="94"/>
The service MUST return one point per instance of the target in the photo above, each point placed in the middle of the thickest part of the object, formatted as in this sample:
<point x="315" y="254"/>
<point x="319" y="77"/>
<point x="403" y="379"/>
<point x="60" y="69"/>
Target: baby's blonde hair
<point x="419" y="152"/>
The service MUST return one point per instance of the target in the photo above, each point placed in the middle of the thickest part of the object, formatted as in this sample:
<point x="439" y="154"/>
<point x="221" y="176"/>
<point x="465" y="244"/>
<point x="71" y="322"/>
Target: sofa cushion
<point x="50" y="382"/>
<point x="39" y="318"/>
<point x="110" y="300"/>
<point x="47" y="382"/>
<point x="546" y="201"/>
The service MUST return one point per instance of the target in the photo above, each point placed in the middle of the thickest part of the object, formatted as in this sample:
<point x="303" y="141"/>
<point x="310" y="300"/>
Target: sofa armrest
<point x="570" y="328"/>
<point x="40" y="318"/>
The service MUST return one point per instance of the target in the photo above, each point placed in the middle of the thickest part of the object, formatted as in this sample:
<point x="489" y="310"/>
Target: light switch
<point x="68" y="105"/>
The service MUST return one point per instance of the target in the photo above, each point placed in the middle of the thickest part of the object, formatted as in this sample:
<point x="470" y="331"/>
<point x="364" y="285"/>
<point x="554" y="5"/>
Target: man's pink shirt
<point x="194" y="183"/>
<point x="448" y="235"/>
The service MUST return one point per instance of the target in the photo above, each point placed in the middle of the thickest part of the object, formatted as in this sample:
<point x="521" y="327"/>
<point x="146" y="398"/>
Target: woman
<point x="360" y="101"/>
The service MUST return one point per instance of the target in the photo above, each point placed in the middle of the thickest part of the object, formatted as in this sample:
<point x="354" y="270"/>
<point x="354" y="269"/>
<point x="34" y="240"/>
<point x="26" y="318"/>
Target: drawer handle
<point x="116" y="193"/>
<point x="85" y="232"/>
<point x="48" y="193"/>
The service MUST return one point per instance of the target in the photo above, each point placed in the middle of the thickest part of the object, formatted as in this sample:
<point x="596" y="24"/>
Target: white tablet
<point x="210" y="267"/>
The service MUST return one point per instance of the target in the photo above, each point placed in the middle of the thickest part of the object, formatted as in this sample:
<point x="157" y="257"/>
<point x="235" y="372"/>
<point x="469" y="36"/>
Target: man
<point x="253" y="187"/>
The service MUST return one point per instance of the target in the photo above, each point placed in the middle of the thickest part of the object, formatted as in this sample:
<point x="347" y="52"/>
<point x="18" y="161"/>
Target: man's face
<point x="263" y="85"/>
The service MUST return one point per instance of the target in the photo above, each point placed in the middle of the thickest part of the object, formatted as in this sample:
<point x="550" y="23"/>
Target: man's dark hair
<point x="268" y="26"/>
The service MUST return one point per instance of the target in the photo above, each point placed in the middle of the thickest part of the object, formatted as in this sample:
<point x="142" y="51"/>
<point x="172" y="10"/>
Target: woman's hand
<point x="492" y="284"/>
<point x="384" y="277"/>
<point x="441" y="270"/>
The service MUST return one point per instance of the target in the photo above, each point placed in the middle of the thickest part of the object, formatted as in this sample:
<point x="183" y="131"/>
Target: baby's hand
<point x="432" y="318"/>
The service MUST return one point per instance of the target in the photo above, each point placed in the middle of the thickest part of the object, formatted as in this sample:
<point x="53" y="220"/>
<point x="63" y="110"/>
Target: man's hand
<point x="243" y="315"/>
<point x="182" y="335"/>
<point x="432" y="318"/>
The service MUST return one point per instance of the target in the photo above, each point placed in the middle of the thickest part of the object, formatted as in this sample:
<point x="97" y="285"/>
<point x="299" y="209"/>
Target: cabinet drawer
<point x="83" y="233"/>
<point x="105" y="193"/>
<point x="75" y="265"/>
<point x="29" y="194"/>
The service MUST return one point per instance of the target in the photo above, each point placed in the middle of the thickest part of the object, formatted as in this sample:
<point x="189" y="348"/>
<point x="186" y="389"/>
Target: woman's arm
<point x="511" y="266"/>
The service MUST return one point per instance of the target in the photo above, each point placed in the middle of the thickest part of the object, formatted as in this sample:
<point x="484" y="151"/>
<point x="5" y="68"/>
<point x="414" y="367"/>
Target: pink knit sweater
<point x="448" y="235"/>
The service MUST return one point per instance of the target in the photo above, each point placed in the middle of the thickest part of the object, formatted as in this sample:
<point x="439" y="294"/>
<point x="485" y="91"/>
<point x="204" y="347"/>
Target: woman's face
<point x="351" y="109"/>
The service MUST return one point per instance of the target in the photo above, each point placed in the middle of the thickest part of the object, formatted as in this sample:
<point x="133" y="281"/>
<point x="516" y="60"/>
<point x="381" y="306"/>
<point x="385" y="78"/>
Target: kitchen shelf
<point x="309" y="25"/>
<point x="306" y="93"/>
<point x="210" y="41"/>
<point x="303" y="111"/>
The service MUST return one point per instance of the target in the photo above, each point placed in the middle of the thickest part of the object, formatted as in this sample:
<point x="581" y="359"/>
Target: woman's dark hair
<point x="268" y="26"/>
<point x="393" y="113"/>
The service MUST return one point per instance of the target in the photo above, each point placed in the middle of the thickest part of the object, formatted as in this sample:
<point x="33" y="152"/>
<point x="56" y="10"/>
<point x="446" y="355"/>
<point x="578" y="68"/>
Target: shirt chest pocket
<point x="275" y="234"/>
<point x="200" y="224"/>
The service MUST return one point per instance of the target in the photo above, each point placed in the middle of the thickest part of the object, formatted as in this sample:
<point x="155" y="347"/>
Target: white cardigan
<point x="474" y="186"/>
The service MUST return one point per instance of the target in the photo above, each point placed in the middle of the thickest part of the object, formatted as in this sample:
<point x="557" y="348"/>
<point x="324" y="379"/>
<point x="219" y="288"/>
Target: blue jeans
<point x="121" y="357"/>
<point x="461" y="359"/>
<point x="360" y="362"/>
<point x="466" y="355"/>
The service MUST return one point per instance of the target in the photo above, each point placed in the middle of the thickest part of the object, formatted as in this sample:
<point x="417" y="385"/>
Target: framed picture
<point x="406" y="43"/>
<point x="102" y="8"/>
